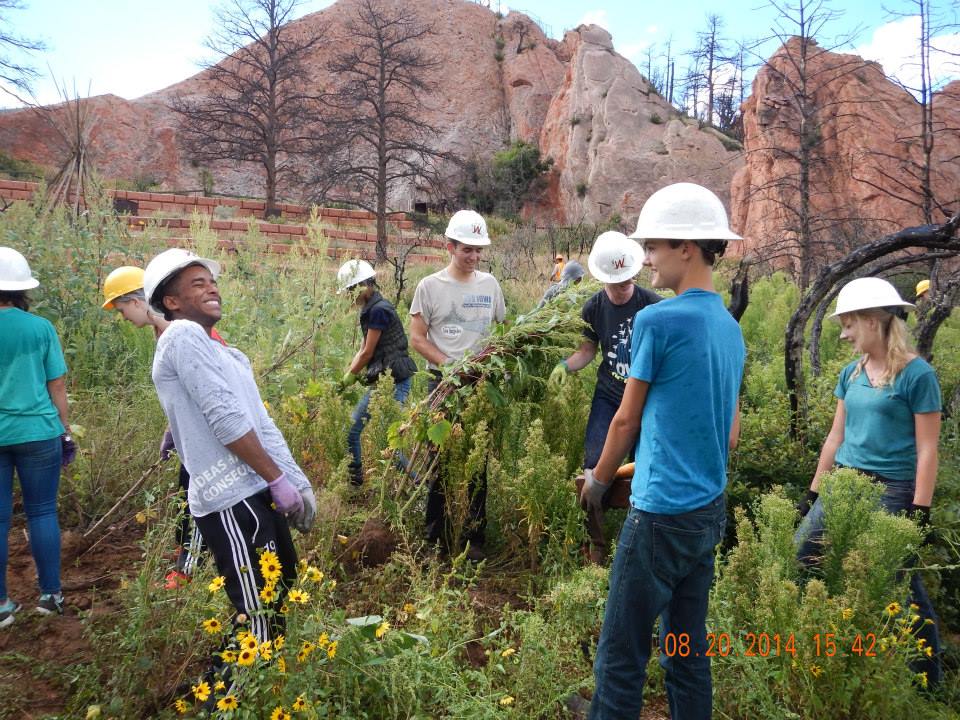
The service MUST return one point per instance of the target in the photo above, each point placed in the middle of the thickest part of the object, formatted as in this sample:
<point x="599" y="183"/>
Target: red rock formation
<point x="615" y="141"/>
<point x="870" y="154"/>
<point x="501" y="79"/>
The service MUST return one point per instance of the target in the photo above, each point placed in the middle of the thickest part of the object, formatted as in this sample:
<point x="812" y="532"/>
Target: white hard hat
<point x="167" y="264"/>
<point x="353" y="272"/>
<point x="468" y="227"/>
<point x="614" y="257"/>
<point x="683" y="211"/>
<point x="867" y="293"/>
<point x="15" y="271"/>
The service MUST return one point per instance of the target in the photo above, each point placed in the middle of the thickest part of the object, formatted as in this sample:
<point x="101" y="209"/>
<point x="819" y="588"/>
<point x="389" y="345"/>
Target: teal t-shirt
<point x="878" y="431"/>
<point x="30" y="357"/>
<point x="691" y="351"/>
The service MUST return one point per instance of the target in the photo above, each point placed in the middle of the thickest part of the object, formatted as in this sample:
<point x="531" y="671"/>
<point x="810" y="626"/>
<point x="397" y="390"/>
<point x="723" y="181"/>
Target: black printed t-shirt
<point x="609" y="326"/>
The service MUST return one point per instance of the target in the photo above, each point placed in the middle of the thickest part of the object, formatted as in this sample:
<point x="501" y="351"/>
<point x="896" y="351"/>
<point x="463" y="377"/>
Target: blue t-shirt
<point x="30" y="357"/>
<point x="691" y="351"/>
<point x="878" y="431"/>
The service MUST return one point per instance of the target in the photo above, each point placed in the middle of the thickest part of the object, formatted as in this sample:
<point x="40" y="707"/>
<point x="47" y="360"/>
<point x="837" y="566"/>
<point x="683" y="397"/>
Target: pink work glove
<point x="285" y="496"/>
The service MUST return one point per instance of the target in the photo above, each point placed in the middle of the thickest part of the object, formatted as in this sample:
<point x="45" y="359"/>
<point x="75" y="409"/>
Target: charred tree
<point x="258" y="108"/>
<point x="376" y="136"/>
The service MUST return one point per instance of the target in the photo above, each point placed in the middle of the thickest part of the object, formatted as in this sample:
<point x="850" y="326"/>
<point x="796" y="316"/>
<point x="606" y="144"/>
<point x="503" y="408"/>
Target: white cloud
<point x="652" y="29"/>
<point x="633" y="51"/>
<point x="595" y="17"/>
<point x="895" y="46"/>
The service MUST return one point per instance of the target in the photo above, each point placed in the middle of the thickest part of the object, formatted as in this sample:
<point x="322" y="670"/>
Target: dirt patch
<point x="371" y="547"/>
<point x="43" y="657"/>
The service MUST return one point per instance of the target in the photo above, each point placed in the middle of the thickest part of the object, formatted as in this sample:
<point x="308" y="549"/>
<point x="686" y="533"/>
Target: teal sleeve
<point x="840" y="391"/>
<point x="646" y="350"/>
<point x="924" y="393"/>
<point x="53" y="363"/>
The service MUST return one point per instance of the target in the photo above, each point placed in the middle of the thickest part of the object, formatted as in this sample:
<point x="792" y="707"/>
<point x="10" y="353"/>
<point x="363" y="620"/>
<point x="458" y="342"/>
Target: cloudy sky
<point x="132" y="48"/>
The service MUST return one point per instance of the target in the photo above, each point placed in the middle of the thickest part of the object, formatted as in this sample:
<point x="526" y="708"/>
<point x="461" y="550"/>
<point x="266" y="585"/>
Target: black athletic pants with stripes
<point x="236" y="537"/>
<point x="188" y="536"/>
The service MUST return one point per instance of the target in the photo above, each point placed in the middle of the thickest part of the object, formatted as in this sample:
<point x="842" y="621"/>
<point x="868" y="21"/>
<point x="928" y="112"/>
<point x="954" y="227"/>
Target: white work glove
<point x="304" y="519"/>
<point x="591" y="496"/>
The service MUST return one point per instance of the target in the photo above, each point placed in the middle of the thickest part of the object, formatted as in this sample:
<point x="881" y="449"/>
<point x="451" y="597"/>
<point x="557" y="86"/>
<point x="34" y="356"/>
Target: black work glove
<point x="69" y="448"/>
<point x="803" y="507"/>
<point x="920" y="514"/>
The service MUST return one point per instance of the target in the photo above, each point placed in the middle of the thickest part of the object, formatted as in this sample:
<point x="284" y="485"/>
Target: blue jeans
<point x="602" y="410"/>
<point x="359" y="419"/>
<point x="663" y="568"/>
<point x="897" y="497"/>
<point x="38" y="467"/>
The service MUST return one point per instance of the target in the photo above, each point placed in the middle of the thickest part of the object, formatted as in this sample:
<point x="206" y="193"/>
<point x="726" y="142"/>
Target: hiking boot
<point x="50" y="604"/>
<point x="597" y="554"/>
<point x="7" y="611"/>
<point x="475" y="553"/>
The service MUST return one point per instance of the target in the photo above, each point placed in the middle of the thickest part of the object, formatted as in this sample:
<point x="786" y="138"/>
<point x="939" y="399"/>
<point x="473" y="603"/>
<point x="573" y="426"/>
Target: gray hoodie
<point x="210" y="397"/>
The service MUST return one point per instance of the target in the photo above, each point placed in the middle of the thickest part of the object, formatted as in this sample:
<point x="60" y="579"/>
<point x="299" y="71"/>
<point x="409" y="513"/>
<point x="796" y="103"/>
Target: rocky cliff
<point x="866" y="154"/>
<point x="612" y="138"/>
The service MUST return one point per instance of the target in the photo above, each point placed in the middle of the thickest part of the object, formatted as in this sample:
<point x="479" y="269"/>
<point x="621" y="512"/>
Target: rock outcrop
<point x="864" y="179"/>
<point x="614" y="140"/>
<point x="501" y="79"/>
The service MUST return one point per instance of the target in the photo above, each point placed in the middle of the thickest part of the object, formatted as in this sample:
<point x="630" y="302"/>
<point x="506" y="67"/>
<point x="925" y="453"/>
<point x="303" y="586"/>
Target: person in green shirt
<point x="34" y="431"/>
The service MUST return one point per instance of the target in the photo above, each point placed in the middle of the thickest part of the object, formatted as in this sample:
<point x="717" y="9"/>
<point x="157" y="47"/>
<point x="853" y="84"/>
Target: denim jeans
<point x="897" y="497"/>
<point x="38" y="468"/>
<point x="663" y="568"/>
<point x="602" y="410"/>
<point x="359" y="420"/>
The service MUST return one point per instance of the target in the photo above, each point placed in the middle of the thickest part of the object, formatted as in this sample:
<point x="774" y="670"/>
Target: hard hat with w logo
<point x="468" y="227"/>
<point x="615" y="257"/>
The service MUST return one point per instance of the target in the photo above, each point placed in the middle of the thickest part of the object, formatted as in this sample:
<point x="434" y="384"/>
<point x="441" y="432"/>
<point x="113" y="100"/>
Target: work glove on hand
<point x="920" y="514"/>
<point x="166" y="445"/>
<point x="591" y="496"/>
<point x="558" y="377"/>
<point x="285" y="496"/>
<point x="803" y="507"/>
<point x="69" y="449"/>
<point x="304" y="519"/>
<point x="347" y="380"/>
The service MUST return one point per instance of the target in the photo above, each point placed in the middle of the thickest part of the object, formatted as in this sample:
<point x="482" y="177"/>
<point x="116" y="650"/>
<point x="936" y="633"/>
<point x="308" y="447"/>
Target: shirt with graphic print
<point x="609" y="326"/>
<point x="458" y="315"/>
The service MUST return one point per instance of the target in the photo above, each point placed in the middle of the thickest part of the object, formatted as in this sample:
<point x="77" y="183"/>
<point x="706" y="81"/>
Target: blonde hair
<point x="896" y="338"/>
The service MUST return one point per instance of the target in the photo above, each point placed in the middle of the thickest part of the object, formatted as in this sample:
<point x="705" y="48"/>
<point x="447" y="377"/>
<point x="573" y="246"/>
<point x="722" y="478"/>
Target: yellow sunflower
<point x="893" y="609"/>
<point x="229" y="656"/>
<point x="279" y="714"/>
<point x="278" y="642"/>
<point x="227" y="702"/>
<point x="216" y="584"/>
<point x="268" y="594"/>
<point x="246" y="657"/>
<point x="314" y="574"/>
<point x="202" y="691"/>
<point x="181" y="707"/>
<point x="249" y="643"/>
<point x="212" y="626"/>
<point x="381" y="630"/>
<point x="332" y="650"/>
<point x="299" y="704"/>
<point x="299" y="596"/>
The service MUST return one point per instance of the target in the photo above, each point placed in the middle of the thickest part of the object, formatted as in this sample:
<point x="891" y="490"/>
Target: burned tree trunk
<point x="931" y="237"/>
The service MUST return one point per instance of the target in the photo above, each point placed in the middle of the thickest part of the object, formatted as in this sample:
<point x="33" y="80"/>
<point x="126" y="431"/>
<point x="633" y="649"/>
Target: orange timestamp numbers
<point x="763" y="644"/>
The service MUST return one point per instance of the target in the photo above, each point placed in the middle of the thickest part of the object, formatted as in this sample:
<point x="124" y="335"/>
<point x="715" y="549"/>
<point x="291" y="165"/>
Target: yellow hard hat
<point x="923" y="287"/>
<point x="121" y="281"/>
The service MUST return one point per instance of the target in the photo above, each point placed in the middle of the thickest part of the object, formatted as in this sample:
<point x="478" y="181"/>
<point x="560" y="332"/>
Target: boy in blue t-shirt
<point x="680" y="409"/>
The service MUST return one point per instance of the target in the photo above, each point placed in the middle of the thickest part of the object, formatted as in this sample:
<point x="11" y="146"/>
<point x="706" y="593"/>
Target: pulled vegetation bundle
<point x="471" y="416"/>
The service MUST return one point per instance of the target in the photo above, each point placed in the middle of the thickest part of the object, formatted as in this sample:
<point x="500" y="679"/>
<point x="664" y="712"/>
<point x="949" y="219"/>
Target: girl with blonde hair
<point x="886" y="425"/>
